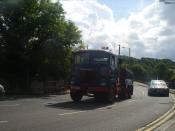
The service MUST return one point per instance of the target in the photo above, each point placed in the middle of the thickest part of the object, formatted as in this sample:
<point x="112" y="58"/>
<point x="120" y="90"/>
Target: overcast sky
<point x="146" y="26"/>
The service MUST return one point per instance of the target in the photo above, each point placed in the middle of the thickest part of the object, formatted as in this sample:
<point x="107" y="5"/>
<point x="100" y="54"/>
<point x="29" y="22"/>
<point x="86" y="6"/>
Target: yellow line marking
<point x="155" y="124"/>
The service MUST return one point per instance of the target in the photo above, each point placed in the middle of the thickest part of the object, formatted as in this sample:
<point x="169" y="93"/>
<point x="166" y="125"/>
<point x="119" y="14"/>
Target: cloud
<point x="94" y="19"/>
<point x="149" y="33"/>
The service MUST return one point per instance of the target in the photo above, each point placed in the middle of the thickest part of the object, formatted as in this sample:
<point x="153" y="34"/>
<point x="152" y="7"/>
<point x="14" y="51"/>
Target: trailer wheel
<point x="76" y="96"/>
<point x="130" y="91"/>
<point x="126" y="93"/>
<point x="129" y="95"/>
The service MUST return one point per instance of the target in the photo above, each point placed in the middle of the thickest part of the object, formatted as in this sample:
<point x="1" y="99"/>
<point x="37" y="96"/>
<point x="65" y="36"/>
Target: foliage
<point x="35" y="39"/>
<point x="146" y="69"/>
<point x="173" y="78"/>
<point x="139" y="72"/>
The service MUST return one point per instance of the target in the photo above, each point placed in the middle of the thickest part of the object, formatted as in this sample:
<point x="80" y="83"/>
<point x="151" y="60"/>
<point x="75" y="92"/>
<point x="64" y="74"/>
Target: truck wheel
<point x="76" y="96"/>
<point x="127" y="94"/>
<point x="98" y="97"/>
<point x="131" y="90"/>
<point x="111" y="95"/>
<point x="122" y="94"/>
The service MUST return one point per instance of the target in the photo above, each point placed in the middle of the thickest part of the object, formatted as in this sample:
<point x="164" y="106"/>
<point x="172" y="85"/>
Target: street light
<point x="129" y="50"/>
<point x="119" y="49"/>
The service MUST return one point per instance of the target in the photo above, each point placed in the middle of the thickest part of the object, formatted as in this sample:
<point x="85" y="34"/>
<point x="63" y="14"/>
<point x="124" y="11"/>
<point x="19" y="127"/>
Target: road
<point x="59" y="113"/>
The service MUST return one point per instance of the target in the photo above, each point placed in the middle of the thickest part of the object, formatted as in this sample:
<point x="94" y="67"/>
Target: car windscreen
<point x="158" y="84"/>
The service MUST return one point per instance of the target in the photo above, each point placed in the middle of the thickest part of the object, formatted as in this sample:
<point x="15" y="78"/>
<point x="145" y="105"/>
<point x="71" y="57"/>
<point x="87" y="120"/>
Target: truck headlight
<point x="103" y="83"/>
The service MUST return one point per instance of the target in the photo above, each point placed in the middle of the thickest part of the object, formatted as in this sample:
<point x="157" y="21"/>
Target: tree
<point x="163" y="72"/>
<point x="173" y="78"/>
<point x="35" y="38"/>
<point x="139" y="72"/>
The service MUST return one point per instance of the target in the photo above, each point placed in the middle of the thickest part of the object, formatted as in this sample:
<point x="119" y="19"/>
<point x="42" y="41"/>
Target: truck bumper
<point x="95" y="89"/>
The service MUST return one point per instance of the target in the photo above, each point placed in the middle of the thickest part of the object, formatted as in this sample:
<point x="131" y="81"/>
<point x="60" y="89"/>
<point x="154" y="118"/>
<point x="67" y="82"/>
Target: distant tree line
<point x="146" y="69"/>
<point x="36" y="41"/>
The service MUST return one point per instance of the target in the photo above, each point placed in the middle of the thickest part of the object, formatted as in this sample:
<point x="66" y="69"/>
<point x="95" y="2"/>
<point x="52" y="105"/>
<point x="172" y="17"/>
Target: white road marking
<point x="2" y="122"/>
<point x="9" y="105"/>
<point x="107" y="107"/>
<point x="131" y="100"/>
<point x="71" y="113"/>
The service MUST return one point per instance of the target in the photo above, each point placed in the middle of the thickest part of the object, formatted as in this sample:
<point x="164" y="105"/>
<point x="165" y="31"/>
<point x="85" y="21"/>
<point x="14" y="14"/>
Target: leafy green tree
<point x="35" y="39"/>
<point x="139" y="72"/>
<point x="173" y="78"/>
<point x="151" y="68"/>
<point x="163" y="72"/>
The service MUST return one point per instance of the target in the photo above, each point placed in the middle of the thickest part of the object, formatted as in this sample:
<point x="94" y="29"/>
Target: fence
<point x="47" y="87"/>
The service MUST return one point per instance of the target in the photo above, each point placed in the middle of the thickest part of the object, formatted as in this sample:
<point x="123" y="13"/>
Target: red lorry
<point x="97" y="73"/>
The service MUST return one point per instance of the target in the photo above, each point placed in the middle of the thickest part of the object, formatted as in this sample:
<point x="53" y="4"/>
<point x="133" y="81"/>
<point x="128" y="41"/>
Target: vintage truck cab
<point x="95" y="73"/>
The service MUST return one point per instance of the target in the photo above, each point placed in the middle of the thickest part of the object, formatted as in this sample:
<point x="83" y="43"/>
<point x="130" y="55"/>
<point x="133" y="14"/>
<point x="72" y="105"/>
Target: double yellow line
<point x="158" y="122"/>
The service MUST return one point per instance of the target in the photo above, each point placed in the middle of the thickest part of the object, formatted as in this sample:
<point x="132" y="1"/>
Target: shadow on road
<point x="18" y="97"/>
<point x="87" y="104"/>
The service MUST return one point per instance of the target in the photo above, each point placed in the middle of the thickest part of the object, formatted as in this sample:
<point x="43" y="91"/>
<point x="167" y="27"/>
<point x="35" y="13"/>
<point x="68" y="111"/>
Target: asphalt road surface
<point x="59" y="113"/>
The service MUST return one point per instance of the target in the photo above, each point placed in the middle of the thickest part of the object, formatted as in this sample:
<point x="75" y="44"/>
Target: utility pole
<point x="119" y="50"/>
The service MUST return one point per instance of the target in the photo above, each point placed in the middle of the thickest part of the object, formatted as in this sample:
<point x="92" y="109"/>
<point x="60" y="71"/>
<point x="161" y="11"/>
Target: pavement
<point x="167" y="126"/>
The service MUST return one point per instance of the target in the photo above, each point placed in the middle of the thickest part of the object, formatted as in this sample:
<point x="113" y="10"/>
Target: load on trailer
<point x="97" y="73"/>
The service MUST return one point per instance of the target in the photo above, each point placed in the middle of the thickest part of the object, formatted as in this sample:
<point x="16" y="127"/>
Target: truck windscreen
<point x="91" y="58"/>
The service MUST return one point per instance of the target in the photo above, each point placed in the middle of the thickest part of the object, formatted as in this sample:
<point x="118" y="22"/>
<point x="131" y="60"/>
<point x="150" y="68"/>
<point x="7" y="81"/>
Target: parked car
<point x="158" y="87"/>
<point x="2" y="90"/>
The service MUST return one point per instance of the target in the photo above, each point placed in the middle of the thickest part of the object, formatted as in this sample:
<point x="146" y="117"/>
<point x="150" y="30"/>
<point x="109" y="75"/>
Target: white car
<point x="158" y="87"/>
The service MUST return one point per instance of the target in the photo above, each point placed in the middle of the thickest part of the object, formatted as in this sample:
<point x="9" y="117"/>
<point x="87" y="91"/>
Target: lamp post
<point x="119" y="50"/>
<point x="129" y="50"/>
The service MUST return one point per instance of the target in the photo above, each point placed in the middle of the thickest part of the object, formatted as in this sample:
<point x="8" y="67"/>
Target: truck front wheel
<point x="76" y="96"/>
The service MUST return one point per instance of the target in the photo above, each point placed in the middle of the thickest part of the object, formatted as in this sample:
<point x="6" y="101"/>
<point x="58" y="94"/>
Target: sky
<point x="147" y="27"/>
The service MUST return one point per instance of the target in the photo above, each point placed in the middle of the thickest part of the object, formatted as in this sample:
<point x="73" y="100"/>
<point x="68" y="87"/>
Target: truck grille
<point x="87" y="77"/>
